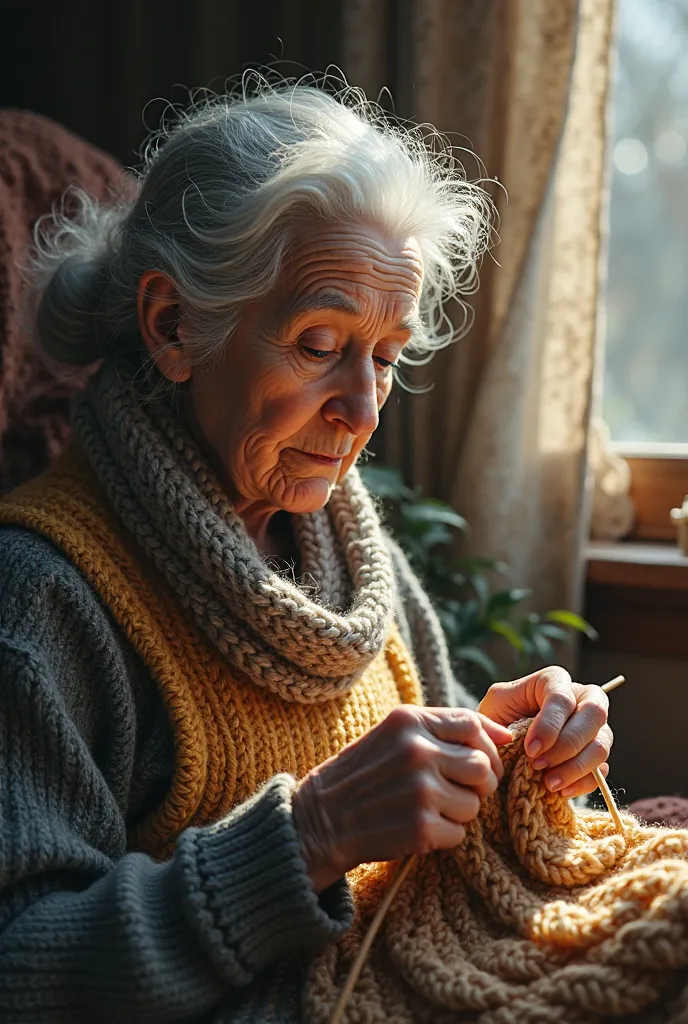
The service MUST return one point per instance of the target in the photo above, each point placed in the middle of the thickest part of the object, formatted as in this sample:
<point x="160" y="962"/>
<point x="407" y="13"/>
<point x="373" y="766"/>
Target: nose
<point x="355" y="404"/>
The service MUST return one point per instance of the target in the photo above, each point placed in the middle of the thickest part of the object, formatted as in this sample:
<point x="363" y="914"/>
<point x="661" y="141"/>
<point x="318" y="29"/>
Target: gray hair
<point x="222" y="193"/>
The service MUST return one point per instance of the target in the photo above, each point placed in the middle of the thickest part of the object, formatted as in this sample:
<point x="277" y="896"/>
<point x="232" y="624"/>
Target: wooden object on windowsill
<point x="637" y="597"/>
<point x="659" y="481"/>
<point x="679" y="517"/>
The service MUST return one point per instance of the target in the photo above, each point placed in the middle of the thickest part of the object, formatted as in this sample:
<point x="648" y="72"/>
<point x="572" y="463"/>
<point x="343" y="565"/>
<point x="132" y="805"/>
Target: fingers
<point x="507" y="702"/>
<point x="587" y="784"/>
<point x="458" y="803"/>
<point x="582" y="726"/>
<point x="461" y="726"/>
<point x="547" y="696"/>
<point x="438" y="798"/>
<point x="555" y="697"/>
<point x="498" y="733"/>
<point x="463" y="766"/>
<point x="442" y="806"/>
<point x="570" y="772"/>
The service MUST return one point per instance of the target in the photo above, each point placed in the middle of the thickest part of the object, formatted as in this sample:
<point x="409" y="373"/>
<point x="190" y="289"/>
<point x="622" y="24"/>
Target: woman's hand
<point x="569" y="734"/>
<point x="407" y="786"/>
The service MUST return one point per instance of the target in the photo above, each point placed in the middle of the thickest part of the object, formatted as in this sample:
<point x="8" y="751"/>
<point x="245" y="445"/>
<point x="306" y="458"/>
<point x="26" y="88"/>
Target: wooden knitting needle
<point x="355" y="969"/>
<point x="406" y="865"/>
<point x="613" y="683"/>
<point x="599" y="777"/>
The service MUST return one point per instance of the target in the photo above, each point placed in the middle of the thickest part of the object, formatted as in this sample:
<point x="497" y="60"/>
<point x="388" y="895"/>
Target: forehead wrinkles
<point x="378" y="311"/>
<point x="383" y="277"/>
<point x="358" y="256"/>
<point x="380" y="276"/>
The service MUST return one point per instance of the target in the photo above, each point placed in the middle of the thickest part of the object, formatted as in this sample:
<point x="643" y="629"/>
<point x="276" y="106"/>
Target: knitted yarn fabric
<point x="39" y="159"/>
<point x="304" y="649"/>
<point x="662" y="810"/>
<point x="230" y="735"/>
<point x="542" y="914"/>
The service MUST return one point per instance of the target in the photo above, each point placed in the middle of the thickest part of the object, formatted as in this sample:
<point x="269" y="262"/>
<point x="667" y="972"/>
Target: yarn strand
<point x="408" y="862"/>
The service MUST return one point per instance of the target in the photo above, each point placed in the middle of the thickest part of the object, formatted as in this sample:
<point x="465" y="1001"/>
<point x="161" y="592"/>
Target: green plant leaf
<point x="481" y="588"/>
<point x="461" y="587"/>
<point x="415" y="551"/>
<point x="573" y="621"/>
<point x="473" y="629"/>
<point x="451" y="615"/>
<point x="428" y="510"/>
<point x="542" y="646"/>
<point x="455" y="580"/>
<point x="554" y="632"/>
<point x="471" y="564"/>
<point x="385" y="482"/>
<point x="434" y="535"/>
<point x="503" y="601"/>
<point x="509" y="632"/>
<point x="476" y="656"/>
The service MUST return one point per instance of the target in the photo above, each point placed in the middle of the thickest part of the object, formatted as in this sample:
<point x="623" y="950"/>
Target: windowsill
<point x="652" y="564"/>
<point x="650" y="449"/>
<point x="637" y="597"/>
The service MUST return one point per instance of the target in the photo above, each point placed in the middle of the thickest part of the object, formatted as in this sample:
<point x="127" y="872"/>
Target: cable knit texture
<point x="300" y="648"/>
<point x="231" y="736"/>
<point x="91" y="930"/>
<point x="160" y="696"/>
<point x="543" y="913"/>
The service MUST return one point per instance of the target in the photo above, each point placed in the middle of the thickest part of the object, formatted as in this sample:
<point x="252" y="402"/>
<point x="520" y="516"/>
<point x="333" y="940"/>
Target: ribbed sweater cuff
<point x="247" y="890"/>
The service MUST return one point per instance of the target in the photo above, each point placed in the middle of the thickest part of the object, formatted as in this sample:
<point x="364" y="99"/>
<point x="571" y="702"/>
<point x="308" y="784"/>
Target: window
<point x="646" y="353"/>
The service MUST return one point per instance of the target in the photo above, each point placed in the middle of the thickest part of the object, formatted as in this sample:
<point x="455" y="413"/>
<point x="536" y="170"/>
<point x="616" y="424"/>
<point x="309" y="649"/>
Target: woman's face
<point x="297" y="393"/>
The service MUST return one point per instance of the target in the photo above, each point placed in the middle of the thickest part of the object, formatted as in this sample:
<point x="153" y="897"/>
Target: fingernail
<point x="534" y="748"/>
<point x="554" y="783"/>
<point x="540" y="763"/>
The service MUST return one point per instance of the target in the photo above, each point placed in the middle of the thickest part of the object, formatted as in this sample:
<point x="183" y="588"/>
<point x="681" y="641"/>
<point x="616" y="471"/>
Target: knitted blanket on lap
<point x="543" y="914"/>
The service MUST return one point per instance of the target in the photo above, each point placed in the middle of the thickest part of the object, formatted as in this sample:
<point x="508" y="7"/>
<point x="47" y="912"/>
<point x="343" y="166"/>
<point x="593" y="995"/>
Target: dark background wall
<point x="94" y="66"/>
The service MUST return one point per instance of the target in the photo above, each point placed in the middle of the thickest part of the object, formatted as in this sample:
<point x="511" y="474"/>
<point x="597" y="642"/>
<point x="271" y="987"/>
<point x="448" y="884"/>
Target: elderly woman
<point x="222" y="686"/>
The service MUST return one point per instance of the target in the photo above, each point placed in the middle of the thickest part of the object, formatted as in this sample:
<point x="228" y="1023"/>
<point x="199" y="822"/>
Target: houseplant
<point x="477" y="615"/>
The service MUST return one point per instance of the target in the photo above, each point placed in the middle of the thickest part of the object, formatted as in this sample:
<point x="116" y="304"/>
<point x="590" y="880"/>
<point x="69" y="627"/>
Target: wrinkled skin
<point x="294" y="382"/>
<point x="283" y="415"/>
<point x="413" y="781"/>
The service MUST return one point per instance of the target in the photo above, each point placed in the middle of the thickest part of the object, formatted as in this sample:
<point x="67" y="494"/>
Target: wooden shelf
<point x="637" y="564"/>
<point x="637" y="597"/>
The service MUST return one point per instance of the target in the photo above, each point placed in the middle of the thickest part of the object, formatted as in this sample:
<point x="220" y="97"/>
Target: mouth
<point x="324" y="460"/>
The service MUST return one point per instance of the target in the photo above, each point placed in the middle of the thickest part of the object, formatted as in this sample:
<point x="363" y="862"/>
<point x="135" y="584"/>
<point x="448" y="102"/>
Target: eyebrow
<point x="343" y="304"/>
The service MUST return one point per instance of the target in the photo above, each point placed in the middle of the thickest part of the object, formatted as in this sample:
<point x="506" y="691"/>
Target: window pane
<point x="646" y="359"/>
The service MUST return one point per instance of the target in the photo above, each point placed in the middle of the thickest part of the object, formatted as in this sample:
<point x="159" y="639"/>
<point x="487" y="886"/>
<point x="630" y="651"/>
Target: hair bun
<point x="66" y="319"/>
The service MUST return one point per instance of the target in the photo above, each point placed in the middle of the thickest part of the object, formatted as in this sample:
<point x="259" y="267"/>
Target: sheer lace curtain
<point x="504" y="433"/>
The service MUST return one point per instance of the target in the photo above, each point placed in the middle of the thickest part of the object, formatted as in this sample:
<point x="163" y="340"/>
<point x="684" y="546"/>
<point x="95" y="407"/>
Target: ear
<point x="159" y="312"/>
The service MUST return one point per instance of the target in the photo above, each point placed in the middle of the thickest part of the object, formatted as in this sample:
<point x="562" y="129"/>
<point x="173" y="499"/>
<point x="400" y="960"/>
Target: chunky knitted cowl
<point x="306" y="643"/>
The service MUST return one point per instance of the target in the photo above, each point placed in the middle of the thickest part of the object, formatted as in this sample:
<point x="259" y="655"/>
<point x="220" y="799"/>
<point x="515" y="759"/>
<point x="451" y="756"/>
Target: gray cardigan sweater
<point x="89" y="931"/>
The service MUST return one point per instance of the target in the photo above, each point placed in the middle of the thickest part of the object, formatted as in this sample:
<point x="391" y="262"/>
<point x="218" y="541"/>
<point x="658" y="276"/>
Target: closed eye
<point x="322" y="355"/>
<point x="318" y="353"/>
<point x="386" y="363"/>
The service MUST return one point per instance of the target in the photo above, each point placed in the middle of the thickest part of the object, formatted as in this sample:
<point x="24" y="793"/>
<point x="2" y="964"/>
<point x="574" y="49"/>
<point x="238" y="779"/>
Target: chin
<point x="306" y="495"/>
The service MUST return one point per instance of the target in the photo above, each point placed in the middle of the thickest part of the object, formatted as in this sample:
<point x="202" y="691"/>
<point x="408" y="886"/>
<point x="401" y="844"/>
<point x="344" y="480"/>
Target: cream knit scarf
<point x="307" y="648"/>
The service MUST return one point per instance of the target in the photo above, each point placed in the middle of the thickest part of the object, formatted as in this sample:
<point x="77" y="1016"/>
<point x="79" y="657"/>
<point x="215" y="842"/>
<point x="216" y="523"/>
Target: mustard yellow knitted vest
<point x="230" y="735"/>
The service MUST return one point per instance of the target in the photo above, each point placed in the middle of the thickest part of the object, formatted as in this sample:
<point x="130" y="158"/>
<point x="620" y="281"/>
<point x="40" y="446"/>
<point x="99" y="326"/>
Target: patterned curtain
<point x="503" y="435"/>
<point x="522" y="84"/>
